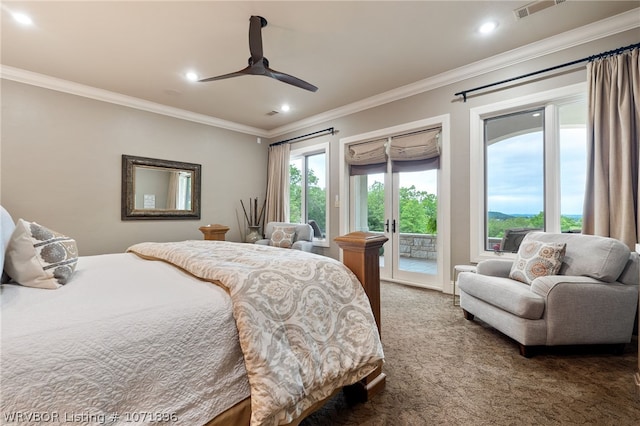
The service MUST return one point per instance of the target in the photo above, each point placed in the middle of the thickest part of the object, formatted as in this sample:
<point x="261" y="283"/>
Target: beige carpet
<point x="444" y="370"/>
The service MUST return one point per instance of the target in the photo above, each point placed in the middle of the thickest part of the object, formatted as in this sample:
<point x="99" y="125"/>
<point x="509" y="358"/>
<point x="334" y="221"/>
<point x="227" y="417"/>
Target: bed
<point x="185" y="333"/>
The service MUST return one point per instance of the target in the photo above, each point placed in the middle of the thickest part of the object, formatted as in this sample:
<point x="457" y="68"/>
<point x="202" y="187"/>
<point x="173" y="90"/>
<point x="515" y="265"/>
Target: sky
<point x="515" y="173"/>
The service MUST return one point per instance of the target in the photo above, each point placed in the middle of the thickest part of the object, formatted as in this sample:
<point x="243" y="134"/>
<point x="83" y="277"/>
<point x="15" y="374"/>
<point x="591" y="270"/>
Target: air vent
<point x="535" y="7"/>
<point x="274" y="112"/>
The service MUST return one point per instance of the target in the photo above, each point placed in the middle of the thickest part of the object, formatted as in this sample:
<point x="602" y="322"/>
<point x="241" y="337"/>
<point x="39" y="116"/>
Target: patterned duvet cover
<point x="304" y="321"/>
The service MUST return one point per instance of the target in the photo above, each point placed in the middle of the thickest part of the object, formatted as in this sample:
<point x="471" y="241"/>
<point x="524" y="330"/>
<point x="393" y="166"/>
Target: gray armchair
<point x="591" y="300"/>
<point x="302" y="239"/>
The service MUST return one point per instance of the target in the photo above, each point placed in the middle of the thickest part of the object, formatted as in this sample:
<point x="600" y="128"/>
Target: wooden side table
<point x="214" y="232"/>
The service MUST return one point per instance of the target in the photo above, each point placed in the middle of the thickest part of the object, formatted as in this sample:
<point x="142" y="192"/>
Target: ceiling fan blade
<point x="255" y="37"/>
<point x="295" y="81"/>
<point x="244" y="71"/>
<point x="258" y="64"/>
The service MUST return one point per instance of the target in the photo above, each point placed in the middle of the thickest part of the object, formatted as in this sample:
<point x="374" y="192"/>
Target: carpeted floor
<point x="444" y="370"/>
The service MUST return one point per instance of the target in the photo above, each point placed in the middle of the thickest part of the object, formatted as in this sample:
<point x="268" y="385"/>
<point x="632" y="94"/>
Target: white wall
<point x="61" y="167"/>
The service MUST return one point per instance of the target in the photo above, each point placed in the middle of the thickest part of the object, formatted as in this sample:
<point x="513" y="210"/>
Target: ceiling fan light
<point x="191" y="76"/>
<point x="285" y="108"/>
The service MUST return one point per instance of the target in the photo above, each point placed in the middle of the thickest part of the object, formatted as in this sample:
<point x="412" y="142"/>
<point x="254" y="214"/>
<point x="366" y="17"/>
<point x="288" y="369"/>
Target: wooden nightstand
<point x="214" y="232"/>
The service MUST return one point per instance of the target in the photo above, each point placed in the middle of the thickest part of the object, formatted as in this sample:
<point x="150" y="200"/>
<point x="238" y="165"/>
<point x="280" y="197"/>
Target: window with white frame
<point x="308" y="189"/>
<point x="528" y="168"/>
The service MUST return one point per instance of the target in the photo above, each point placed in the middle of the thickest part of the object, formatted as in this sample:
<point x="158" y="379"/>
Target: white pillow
<point x="6" y="229"/>
<point x="39" y="257"/>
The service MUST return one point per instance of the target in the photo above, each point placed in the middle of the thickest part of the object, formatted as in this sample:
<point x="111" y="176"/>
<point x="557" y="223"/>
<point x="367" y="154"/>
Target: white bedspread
<point x="126" y="341"/>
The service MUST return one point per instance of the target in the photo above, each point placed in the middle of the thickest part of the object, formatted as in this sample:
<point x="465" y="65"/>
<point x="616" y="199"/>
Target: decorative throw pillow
<point x="283" y="236"/>
<point x="537" y="259"/>
<point x="39" y="257"/>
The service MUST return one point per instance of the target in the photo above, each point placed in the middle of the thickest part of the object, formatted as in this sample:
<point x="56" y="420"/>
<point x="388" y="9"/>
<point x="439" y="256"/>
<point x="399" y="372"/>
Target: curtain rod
<point x="328" y="130"/>
<point x="587" y="59"/>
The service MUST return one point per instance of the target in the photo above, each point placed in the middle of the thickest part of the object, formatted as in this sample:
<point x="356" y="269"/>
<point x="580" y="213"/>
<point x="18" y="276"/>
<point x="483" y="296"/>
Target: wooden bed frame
<point x="361" y="255"/>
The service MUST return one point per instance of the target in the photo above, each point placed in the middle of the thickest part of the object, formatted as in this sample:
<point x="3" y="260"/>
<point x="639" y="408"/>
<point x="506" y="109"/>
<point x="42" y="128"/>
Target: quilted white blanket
<point x="304" y="321"/>
<point x="126" y="342"/>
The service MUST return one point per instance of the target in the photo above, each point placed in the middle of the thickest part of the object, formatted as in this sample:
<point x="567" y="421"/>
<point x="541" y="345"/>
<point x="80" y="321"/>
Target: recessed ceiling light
<point x="488" y="27"/>
<point x="191" y="76"/>
<point x="22" y="18"/>
<point x="285" y="108"/>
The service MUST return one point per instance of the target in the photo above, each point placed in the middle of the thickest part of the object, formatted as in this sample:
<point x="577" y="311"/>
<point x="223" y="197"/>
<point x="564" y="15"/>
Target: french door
<point x="403" y="207"/>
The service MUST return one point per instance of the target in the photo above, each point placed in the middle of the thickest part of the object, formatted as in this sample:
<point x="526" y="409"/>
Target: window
<point x="514" y="175"/>
<point x="183" y="201"/>
<point x="308" y="194"/>
<point x="528" y="170"/>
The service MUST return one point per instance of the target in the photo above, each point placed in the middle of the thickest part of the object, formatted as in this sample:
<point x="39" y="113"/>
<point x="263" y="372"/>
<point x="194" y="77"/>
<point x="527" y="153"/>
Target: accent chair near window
<point x="298" y="236"/>
<point x="570" y="289"/>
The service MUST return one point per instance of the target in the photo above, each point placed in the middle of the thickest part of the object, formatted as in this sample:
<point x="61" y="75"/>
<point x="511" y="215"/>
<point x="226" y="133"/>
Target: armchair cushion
<point x="536" y="259"/>
<point x="504" y="293"/>
<point x="495" y="267"/>
<point x="629" y="275"/>
<point x="601" y="258"/>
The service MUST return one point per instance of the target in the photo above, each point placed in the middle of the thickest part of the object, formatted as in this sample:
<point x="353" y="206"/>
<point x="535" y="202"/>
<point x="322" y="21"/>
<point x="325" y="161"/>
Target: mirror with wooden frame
<point x="159" y="189"/>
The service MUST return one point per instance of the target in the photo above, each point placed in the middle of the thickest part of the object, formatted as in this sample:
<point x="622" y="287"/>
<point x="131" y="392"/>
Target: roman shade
<point x="415" y="151"/>
<point x="410" y="152"/>
<point x="367" y="157"/>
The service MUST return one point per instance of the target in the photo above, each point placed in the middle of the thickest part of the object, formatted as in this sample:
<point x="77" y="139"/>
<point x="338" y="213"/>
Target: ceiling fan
<point x="258" y="64"/>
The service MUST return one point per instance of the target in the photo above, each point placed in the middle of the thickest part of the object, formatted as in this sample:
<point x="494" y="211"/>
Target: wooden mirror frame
<point x="128" y="210"/>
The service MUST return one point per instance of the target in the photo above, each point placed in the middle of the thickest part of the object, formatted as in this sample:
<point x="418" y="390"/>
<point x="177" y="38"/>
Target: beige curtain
<point x="172" y="192"/>
<point x="277" y="207"/>
<point x="611" y="198"/>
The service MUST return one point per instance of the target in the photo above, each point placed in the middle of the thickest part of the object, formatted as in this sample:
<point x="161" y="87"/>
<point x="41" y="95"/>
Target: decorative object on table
<point x="253" y="220"/>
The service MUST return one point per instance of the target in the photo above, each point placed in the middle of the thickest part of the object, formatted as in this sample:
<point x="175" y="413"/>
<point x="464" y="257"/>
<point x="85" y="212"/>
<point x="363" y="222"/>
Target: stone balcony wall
<point x="419" y="246"/>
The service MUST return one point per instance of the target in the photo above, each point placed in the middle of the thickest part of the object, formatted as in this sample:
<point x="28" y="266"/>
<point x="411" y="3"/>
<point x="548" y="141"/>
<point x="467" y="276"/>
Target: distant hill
<point x="504" y="216"/>
<point x="499" y="216"/>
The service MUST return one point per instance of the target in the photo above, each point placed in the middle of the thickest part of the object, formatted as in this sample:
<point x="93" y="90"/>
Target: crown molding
<point x="60" y="85"/>
<point x="588" y="33"/>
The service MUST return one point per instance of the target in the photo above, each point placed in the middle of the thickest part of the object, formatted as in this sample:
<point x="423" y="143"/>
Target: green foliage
<point x="375" y="203"/>
<point x="499" y="222"/>
<point x="568" y="224"/>
<point x="295" y="194"/>
<point x="418" y="210"/>
<point x="316" y="198"/>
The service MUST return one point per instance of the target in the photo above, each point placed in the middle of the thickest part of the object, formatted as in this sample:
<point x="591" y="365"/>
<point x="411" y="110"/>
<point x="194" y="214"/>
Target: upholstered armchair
<point x="297" y="236"/>
<point x="562" y="289"/>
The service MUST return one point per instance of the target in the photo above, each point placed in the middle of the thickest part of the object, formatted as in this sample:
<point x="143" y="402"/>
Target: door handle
<point x="386" y="226"/>
<point x="393" y="226"/>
